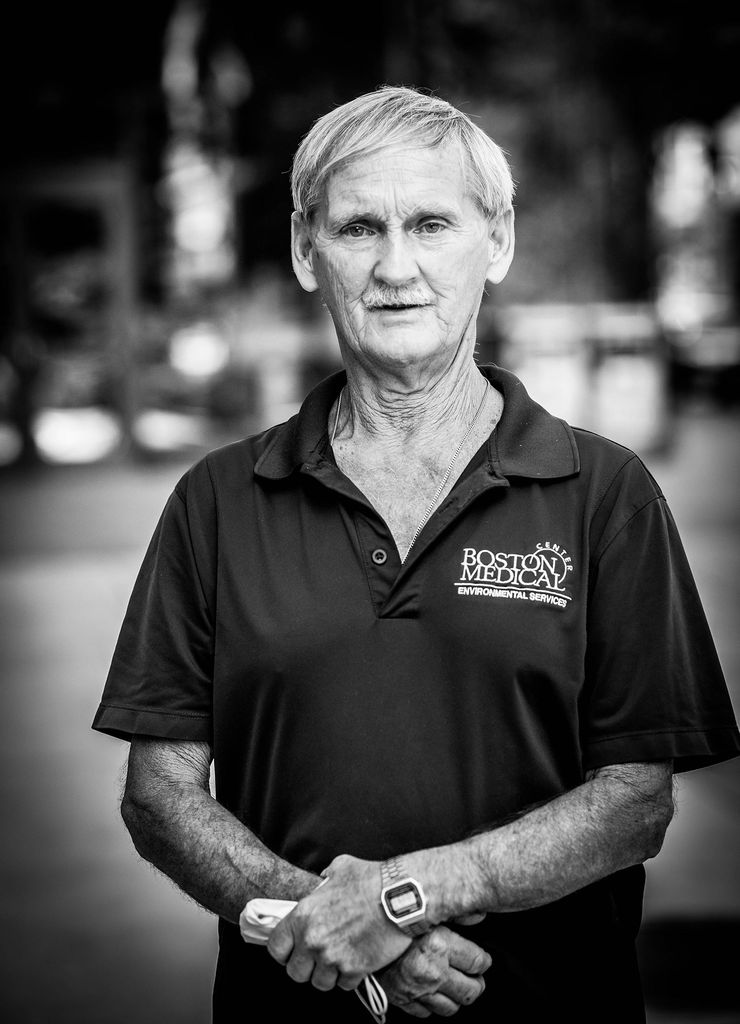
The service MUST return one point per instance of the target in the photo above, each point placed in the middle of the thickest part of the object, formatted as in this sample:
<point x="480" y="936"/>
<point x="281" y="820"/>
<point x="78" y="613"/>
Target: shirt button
<point x="379" y="556"/>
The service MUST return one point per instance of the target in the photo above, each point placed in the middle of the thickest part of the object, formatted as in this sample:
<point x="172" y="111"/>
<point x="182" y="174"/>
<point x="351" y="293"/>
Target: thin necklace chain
<point x="448" y="472"/>
<point x="336" y="415"/>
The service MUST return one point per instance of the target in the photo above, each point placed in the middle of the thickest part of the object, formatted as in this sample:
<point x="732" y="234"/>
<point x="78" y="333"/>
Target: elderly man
<point x="444" y="650"/>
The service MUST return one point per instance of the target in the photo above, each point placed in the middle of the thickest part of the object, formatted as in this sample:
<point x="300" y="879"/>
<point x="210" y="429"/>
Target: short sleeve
<point x="160" y="678"/>
<point x="654" y="686"/>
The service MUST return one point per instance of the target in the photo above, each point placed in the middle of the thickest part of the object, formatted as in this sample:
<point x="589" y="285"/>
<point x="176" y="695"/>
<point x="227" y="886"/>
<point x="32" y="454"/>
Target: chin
<point x="400" y="348"/>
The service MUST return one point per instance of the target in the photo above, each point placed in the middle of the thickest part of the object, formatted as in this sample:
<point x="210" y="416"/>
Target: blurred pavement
<point x="91" y="935"/>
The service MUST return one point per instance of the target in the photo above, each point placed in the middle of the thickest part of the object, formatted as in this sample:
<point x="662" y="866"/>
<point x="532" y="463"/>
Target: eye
<point x="431" y="227"/>
<point x="356" y="231"/>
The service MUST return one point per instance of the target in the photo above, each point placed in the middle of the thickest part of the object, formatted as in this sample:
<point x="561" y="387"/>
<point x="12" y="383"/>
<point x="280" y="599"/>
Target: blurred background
<point x="148" y="313"/>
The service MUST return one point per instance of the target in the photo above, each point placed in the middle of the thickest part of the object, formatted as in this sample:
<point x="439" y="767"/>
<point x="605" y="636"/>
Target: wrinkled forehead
<point x="440" y="170"/>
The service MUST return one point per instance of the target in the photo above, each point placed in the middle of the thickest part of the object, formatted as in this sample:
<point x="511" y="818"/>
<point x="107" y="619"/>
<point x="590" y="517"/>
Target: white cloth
<point x="258" y="919"/>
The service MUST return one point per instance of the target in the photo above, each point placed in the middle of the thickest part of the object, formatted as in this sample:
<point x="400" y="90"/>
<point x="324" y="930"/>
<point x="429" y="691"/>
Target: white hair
<point x="394" y="116"/>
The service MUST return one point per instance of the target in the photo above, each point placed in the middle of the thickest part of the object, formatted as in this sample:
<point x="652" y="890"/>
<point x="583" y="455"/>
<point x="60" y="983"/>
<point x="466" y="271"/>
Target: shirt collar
<point x="528" y="441"/>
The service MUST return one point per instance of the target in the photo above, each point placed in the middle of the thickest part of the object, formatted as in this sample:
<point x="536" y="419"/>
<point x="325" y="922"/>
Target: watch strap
<point x="391" y="871"/>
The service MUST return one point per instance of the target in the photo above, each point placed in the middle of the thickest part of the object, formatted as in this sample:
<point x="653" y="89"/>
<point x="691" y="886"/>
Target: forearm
<point x="616" y="819"/>
<point x="182" y="830"/>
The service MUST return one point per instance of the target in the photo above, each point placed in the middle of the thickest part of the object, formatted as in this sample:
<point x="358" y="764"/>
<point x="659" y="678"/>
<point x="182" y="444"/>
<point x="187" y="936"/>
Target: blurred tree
<point x="579" y="88"/>
<point x="575" y="90"/>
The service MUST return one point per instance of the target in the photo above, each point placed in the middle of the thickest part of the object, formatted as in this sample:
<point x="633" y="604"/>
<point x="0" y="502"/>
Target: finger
<point x="469" y="919"/>
<point x="466" y="955"/>
<point x="440" y="1004"/>
<point x="300" y="967"/>
<point x="280" y="943"/>
<point x="415" y="1009"/>
<point x="324" y="978"/>
<point x="462" y="988"/>
<point x="349" y="982"/>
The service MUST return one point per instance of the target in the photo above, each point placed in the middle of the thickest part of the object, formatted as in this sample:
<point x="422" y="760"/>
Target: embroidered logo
<point x="538" y="575"/>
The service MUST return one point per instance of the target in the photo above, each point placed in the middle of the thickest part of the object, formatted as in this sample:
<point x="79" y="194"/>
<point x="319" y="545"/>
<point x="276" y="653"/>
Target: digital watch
<point x="402" y="898"/>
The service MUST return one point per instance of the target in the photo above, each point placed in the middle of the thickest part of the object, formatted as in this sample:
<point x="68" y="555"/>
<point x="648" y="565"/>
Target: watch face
<point x="403" y="900"/>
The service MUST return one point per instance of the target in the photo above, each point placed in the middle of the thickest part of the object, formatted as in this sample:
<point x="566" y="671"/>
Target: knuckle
<point x="420" y="971"/>
<point x="435" y="942"/>
<point x="311" y="941"/>
<point x="345" y="961"/>
<point x="315" y="938"/>
<point x="342" y="860"/>
<point x="428" y="974"/>
<point x="436" y="975"/>
<point x="405" y="995"/>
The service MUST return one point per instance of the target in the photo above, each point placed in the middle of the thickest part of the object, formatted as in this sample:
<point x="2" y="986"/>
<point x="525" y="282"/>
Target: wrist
<point x="452" y="879"/>
<point x="402" y="898"/>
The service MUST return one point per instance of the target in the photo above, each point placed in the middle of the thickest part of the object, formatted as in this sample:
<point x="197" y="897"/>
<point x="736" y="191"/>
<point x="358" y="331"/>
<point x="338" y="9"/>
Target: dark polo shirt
<point x="544" y="623"/>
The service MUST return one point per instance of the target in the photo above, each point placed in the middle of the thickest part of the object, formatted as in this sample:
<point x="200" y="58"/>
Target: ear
<point x="500" y="247"/>
<point x="302" y="252"/>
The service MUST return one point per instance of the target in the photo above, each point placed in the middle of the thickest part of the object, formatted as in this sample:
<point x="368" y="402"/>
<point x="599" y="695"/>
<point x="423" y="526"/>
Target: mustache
<point x="380" y="296"/>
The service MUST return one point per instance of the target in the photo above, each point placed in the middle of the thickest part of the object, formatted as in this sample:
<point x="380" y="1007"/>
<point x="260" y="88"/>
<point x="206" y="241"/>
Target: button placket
<point x="377" y="552"/>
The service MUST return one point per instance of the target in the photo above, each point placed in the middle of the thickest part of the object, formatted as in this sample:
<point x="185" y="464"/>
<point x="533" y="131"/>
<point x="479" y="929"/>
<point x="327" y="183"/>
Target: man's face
<point x="400" y="254"/>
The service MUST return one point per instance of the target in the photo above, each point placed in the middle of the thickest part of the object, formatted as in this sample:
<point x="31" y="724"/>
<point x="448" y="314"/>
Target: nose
<point x="396" y="263"/>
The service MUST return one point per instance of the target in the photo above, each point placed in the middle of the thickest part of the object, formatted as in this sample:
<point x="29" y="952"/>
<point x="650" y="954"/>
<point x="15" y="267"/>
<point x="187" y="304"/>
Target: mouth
<point x="397" y="307"/>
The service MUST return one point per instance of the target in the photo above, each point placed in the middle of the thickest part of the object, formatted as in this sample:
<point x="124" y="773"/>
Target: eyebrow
<point x="348" y="216"/>
<point x="423" y="212"/>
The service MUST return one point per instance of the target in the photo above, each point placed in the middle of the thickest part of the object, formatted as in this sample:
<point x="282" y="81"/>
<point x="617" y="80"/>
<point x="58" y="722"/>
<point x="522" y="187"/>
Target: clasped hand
<point x="338" y="935"/>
